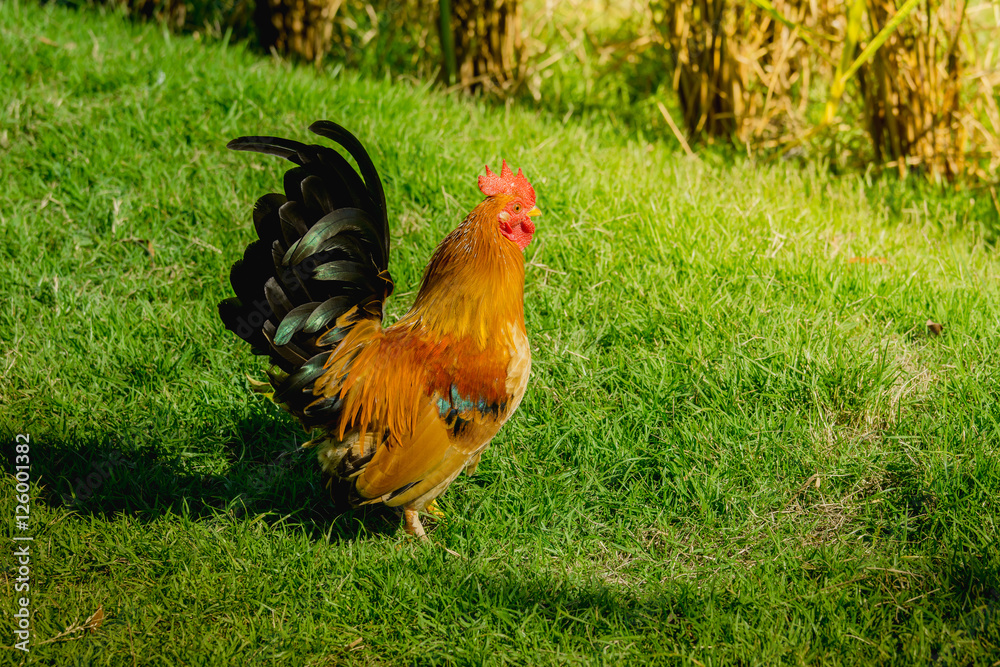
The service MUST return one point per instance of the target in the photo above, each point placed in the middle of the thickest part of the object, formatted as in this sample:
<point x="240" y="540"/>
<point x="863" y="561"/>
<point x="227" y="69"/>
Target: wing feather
<point x="425" y="414"/>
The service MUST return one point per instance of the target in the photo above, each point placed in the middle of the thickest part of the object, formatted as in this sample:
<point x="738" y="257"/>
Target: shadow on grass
<point x="269" y="475"/>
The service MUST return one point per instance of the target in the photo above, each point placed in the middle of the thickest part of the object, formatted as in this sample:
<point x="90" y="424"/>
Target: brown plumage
<point x="397" y="412"/>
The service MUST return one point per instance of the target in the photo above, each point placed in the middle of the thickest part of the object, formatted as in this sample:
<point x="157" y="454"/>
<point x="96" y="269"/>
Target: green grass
<point x="737" y="445"/>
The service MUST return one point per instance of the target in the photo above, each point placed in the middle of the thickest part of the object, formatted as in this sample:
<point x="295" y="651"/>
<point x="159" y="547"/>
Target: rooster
<point x="396" y="413"/>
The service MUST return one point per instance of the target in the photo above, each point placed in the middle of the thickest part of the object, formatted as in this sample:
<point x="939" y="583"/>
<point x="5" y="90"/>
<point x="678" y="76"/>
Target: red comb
<point x="506" y="183"/>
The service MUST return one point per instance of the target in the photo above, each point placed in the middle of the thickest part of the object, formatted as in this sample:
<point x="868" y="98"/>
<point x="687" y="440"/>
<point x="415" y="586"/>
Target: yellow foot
<point x="413" y="526"/>
<point x="433" y="509"/>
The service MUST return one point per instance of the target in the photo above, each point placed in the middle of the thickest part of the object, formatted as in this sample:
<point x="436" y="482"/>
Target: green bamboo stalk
<point x="882" y="35"/>
<point x="844" y="71"/>
<point x="448" y="42"/>
<point x="854" y="19"/>
<point x="841" y="78"/>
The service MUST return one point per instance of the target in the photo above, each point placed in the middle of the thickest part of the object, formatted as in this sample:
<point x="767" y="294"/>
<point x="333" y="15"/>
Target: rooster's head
<point x="517" y="198"/>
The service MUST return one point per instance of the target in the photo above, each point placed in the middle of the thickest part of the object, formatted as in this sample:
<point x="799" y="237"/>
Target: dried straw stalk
<point x="488" y="45"/>
<point x="919" y="108"/>
<point x="303" y="28"/>
<point x="740" y="73"/>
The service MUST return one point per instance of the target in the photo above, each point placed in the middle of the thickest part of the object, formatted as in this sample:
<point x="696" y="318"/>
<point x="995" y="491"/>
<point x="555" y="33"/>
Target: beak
<point x="533" y="212"/>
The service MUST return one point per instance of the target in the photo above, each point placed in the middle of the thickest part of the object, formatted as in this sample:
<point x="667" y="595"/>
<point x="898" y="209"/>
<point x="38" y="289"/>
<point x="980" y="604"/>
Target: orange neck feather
<point x="474" y="284"/>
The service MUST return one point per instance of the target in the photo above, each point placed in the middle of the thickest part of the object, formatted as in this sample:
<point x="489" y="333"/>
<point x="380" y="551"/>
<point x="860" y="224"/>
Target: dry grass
<point x="297" y="27"/>
<point x="751" y="73"/>
<point x="930" y="91"/>
<point x="741" y="74"/>
<point x="489" y="45"/>
<point x="754" y="77"/>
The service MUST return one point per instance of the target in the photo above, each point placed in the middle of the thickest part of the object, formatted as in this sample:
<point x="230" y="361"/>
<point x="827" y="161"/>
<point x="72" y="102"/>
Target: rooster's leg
<point x="413" y="525"/>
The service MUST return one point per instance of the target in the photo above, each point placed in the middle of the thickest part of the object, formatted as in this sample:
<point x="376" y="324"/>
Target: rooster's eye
<point x="517" y="208"/>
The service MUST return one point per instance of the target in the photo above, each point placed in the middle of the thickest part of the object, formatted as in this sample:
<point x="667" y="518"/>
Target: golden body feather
<point x="423" y="398"/>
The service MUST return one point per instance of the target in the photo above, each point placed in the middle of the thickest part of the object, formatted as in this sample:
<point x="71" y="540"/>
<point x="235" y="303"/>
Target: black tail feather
<point x="323" y="250"/>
